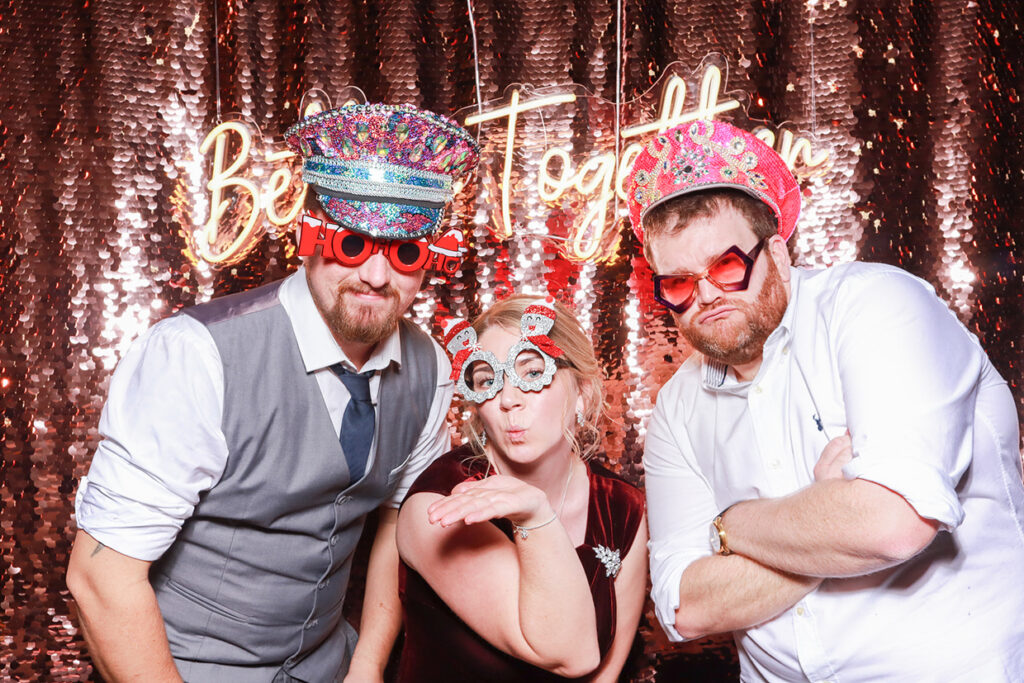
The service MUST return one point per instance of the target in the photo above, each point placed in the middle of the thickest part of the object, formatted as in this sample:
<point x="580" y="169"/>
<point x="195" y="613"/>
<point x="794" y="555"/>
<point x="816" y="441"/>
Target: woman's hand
<point x="495" y="497"/>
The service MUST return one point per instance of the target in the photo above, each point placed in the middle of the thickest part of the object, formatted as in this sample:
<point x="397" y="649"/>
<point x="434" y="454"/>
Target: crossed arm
<point x="784" y="547"/>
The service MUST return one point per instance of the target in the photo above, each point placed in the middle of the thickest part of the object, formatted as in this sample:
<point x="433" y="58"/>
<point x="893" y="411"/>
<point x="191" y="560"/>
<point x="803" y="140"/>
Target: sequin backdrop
<point x="105" y="103"/>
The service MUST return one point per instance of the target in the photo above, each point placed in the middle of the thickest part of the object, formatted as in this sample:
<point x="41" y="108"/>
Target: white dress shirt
<point x="161" y="426"/>
<point x="868" y="348"/>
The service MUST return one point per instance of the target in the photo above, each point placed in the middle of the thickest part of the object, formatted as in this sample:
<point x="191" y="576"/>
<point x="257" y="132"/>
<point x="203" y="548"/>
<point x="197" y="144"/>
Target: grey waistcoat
<point x="253" y="587"/>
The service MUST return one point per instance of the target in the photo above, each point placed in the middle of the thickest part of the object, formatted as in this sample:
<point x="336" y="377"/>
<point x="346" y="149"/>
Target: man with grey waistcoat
<point x="246" y="439"/>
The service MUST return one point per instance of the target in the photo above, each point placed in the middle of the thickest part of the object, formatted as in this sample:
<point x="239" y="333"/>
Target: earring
<point x="482" y="438"/>
<point x="579" y="418"/>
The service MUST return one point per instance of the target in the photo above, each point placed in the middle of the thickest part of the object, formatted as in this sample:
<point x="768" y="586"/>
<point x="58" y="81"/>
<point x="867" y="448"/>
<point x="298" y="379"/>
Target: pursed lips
<point x="515" y="432"/>
<point x="715" y="314"/>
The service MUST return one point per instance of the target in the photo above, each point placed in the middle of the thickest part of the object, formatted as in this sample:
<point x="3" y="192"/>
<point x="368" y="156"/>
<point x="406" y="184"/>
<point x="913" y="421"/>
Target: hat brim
<point x="786" y="216"/>
<point x="384" y="220"/>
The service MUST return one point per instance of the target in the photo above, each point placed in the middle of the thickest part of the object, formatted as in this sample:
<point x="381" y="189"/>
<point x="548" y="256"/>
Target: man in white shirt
<point x="840" y="438"/>
<point x="246" y="439"/>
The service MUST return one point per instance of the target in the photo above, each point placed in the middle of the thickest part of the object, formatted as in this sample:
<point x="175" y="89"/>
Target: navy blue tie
<point x="358" y="422"/>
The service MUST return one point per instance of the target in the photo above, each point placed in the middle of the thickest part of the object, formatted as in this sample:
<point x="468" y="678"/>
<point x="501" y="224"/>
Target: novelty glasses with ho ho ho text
<point x="352" y="249"/>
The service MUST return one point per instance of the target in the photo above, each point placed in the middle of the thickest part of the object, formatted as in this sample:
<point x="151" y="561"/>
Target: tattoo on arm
<point x="99" y="547"/>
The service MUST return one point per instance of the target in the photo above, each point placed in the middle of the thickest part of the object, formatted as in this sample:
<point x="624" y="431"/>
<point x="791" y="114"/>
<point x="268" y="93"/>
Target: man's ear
<point x="649" y="252"/>
<point x="779" y="253"/>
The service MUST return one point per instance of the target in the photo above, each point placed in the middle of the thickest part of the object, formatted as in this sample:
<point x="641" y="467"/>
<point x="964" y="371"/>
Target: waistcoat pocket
<point x="203" y="601"/>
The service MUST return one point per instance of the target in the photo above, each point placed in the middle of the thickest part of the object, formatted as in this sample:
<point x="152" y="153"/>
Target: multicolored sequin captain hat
<point x="705" y="155"/>
<point x="387" y="171"/>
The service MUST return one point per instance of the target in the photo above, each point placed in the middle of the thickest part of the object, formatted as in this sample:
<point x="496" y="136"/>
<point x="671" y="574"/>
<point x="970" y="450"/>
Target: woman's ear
<point x="582" y="399"/>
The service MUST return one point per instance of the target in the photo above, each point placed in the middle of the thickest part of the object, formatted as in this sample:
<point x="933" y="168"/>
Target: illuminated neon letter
<point x="512" y="111"/>
<point x="221" y="178"/>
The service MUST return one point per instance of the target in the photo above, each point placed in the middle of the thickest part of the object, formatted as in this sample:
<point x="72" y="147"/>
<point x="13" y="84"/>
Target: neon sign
<point x="581" y="180"/>
<point x="598" y="179"/>
<point x="238" y="198"/>
<point x="225" y="175"/>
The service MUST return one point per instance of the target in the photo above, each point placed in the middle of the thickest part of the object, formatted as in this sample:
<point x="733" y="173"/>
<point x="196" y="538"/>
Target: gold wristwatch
<point x="719" y="544"/>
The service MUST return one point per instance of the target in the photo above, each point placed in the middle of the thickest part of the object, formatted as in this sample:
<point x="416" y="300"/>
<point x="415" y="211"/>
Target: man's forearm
<point x="119" y="614"/>
<point x="719" y="594"/>
<point x="832" y="528"/>
<point x="382" y="612"/>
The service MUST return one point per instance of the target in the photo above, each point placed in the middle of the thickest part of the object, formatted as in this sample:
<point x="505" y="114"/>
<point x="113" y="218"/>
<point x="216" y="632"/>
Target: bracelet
<point x="523" y="531"/>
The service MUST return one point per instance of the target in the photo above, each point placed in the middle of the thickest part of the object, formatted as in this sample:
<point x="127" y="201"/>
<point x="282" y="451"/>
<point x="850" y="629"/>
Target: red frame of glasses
<point x="330" y="237"/>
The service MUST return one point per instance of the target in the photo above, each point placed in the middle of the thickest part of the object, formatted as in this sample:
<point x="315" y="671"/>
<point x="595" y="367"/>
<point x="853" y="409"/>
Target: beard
<point x="740" y="340"/>
<point x="357" y="322"/>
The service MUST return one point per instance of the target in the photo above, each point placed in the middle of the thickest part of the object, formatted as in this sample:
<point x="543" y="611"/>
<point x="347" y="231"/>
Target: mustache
<point x="362" y="288"/>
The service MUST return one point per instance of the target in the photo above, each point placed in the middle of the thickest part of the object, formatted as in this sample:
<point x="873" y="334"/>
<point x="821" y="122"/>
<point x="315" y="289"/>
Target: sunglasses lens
<point x="352" y="249"/>
<point x="728" y="270"/>
<point x="408" y="256"/>
<point x="676" y="292"/>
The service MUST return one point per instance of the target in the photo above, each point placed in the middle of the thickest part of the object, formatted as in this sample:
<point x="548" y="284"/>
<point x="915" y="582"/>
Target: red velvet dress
<point x="441" y="647"/>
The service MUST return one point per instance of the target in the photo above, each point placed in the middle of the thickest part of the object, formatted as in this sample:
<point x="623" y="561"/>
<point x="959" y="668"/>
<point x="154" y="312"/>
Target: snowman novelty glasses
<point x="530" y="364"/>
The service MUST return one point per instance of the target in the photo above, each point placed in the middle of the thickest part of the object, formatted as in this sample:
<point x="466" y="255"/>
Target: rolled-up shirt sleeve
<point x="680" y="507"/>
<point x="909" y="372"/>
<point x="434" y="440"/>
<point x="162" y="442"/>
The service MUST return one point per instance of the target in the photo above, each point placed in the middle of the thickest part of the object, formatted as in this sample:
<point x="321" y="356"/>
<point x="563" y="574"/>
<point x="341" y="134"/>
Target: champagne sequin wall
<point x="105" y="104"/>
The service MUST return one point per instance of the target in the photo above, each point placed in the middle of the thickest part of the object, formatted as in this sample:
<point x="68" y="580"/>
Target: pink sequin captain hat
<point x="387" y="171"/>
<point x="705" y="155"/>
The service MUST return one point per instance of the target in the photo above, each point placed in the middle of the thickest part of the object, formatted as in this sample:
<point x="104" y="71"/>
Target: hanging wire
<point x="618" y="103"/>
<point x="814" y="81"/>
<point x="216" y="56"/>
<point x="476" y="62"/>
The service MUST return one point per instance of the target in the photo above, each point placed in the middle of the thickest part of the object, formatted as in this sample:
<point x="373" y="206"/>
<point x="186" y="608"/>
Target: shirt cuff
<point x="925" y="487"/>
<point x="127" y="526"/>
<point x="665" y="594"/>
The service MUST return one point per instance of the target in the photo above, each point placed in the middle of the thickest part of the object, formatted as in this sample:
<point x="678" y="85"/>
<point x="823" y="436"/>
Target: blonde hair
<point x="577" y="357"/>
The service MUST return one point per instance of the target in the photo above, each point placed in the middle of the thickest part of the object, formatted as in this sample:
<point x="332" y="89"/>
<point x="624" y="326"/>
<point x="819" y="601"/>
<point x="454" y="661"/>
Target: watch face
<point x="715" y="539"/>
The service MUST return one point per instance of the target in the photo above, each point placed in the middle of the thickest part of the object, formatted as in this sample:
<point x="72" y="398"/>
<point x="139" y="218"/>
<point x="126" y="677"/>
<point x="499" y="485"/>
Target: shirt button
<point x="758" y="389"/>
<point x="334" y="540"/>
<point x="785" y="351"/>
<point x="311" y="624"/>
<point x="799" y="611"/>
<point x="775" y="464"/>
<point x="341" y="500"/>
<point x="323" y="584"/>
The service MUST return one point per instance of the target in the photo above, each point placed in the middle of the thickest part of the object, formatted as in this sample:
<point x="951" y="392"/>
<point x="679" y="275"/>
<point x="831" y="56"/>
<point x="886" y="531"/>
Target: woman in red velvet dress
<point x="522" y="560"/>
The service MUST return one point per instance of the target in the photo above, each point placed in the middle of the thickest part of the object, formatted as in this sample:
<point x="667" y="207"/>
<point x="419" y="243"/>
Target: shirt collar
<point x="316" y="343"/>
<point x="715" y="375"/>
<point x="795" y="277"/>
